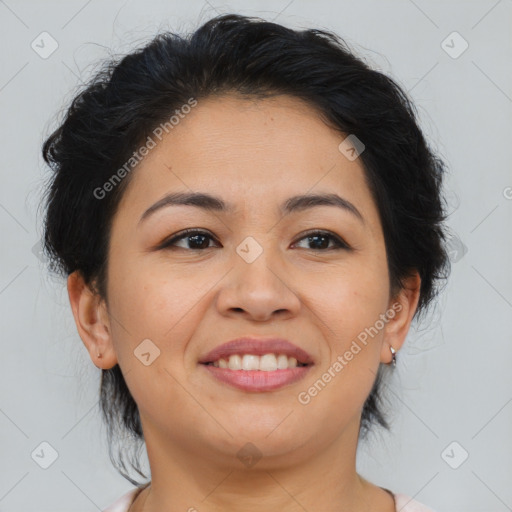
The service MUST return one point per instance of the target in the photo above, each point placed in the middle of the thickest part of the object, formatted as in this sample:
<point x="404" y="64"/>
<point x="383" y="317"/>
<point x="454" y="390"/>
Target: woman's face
<point x="252" y="271"/>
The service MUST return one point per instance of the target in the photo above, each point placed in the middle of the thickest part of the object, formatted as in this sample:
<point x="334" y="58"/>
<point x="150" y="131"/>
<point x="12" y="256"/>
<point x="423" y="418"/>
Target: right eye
<point x="196" y="236"/>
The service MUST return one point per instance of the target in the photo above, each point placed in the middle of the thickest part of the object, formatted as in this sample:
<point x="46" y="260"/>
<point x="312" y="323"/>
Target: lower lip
<point x="257" y="380"/>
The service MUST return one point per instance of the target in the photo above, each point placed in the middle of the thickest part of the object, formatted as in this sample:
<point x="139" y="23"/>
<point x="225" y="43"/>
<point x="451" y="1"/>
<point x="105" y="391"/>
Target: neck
<point x="192" y="480"/>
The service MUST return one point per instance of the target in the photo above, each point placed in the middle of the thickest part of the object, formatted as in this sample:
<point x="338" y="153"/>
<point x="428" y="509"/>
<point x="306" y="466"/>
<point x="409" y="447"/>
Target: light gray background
<point x="453" y="381"/>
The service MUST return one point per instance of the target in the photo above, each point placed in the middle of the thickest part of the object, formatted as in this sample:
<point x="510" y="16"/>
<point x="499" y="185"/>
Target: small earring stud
<point x="393" y="356"/>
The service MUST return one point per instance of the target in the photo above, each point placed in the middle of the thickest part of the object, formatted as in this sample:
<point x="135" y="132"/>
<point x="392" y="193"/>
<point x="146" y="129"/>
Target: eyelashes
<point x="188" y="233"/>
<point x="199" y="237"/>
<point x="339" y="243"/>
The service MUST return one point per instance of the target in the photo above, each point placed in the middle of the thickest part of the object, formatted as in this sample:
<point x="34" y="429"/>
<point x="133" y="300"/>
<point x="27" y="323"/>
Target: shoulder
<point x="405" y="503"/>
<point x="123" y="503"/>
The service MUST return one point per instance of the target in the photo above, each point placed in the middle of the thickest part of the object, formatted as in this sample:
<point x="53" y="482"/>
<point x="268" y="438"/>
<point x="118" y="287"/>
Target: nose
<point x="259" y="291"/>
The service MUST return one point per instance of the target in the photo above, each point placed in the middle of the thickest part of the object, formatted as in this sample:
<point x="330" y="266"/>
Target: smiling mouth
<point x="257" y="374"/>
<point x="251" y="362"/>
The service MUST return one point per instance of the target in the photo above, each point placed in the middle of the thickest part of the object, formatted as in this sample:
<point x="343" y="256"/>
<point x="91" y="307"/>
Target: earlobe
<point x="91" y="320"/>
<point x="401" y="311"/>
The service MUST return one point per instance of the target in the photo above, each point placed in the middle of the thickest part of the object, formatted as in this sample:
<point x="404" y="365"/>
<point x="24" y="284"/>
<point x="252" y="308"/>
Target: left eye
<point x="322" y="236"/>
<point x="200" y="240"/>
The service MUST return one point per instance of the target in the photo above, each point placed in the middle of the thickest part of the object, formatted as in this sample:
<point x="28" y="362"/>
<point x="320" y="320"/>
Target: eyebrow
<point x="216" y="204"/>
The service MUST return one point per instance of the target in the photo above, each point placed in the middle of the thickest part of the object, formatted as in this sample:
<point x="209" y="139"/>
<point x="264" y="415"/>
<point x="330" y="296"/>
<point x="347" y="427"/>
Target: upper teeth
<point x="266" y="363"/>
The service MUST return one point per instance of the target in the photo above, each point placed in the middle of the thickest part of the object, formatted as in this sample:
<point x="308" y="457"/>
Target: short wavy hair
<point x="120" y="106"/>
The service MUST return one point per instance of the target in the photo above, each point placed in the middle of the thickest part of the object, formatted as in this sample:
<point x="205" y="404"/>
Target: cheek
<point x="355" y="301"/>
<point x="351" y="300"/>
<point x="151" y="304"/>
<point x="146" y="299"/>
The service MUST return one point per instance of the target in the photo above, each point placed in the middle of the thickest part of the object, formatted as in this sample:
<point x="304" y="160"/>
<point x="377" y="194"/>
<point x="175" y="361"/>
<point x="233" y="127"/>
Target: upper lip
<point x="258" y="347"/>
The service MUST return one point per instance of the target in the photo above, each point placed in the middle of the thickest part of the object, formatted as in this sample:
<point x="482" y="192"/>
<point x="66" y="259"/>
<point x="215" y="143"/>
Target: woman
<point x="249" y="219"/>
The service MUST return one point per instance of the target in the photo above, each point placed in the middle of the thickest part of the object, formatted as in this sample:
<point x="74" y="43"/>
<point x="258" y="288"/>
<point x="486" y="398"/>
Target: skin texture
<point x="255" y="154"/>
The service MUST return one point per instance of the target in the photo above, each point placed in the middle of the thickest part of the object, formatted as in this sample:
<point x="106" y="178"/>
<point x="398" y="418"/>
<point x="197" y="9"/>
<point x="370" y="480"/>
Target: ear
<point x="404" y="306"/>
<point x="92" y="321"/>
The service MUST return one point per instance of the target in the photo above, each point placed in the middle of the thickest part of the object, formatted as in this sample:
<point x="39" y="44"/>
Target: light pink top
<point x="403" y="503"/>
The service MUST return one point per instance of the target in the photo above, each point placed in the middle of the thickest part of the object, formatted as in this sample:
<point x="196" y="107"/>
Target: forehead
<point x="251" y="152"/>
